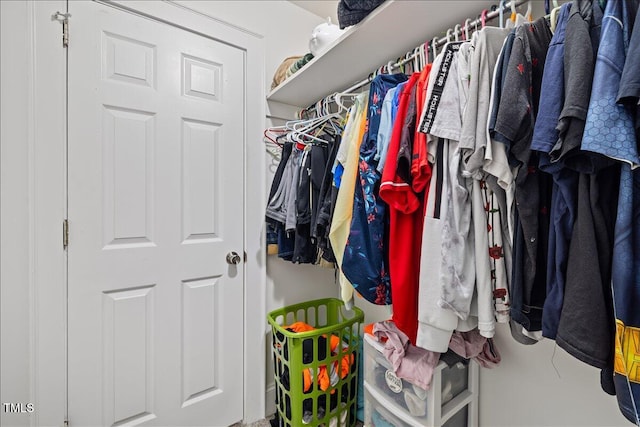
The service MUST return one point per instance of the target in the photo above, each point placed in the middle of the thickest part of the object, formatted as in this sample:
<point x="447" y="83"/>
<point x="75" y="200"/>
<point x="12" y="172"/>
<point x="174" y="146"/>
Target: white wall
<point x="14" y="259"/>
<point x="525" y="389"/>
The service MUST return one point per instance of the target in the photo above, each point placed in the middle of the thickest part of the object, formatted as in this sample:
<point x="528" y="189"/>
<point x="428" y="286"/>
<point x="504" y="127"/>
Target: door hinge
<point x="63" y="18"/>
<point x="65" y="234"/>
<point x="245" y="256"/>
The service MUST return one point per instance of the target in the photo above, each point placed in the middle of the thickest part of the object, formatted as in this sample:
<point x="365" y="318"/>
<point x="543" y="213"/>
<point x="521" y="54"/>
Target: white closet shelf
<point x="389" y="31"/>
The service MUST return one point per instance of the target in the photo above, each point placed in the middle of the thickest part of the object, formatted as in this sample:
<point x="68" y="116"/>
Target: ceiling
<point x="322" y="8"/>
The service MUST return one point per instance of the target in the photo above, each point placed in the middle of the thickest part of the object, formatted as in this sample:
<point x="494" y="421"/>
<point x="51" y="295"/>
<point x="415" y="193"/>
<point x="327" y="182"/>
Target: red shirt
<point x="406" y="205"/>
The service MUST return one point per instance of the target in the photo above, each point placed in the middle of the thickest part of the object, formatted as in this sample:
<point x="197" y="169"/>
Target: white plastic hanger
<point x="553" y="17"/>
<point x="337" y="97"/>
<point x="516" y="18"/>
<point x="456" y="32"/>
<point x="302" y="132"/>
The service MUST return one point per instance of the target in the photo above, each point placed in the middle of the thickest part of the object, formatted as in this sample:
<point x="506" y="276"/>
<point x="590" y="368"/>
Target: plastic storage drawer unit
<point x="451" y="400"/>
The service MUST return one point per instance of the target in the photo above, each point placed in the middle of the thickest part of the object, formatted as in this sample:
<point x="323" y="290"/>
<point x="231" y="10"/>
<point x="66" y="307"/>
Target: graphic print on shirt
<point x="627" y="360"/>
<point x="496" y="251"/>
<point x="438" y="88"/>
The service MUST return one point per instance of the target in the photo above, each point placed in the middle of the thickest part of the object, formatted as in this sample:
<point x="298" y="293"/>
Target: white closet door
<point x="155" y="193"/>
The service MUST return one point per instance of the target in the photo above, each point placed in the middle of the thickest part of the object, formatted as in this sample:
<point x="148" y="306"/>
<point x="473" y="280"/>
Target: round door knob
<point x="233" y="258"/>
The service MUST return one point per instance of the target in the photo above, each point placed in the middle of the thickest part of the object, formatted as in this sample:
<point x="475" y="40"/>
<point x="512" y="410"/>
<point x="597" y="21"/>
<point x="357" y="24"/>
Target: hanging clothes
<point x="565" y="180"/>
<point x="321" y="221"/>
<point x="446" y="208"/>
<point x="405" y="210"/>
<point x="500" y="176"/>
<point x="610" y="131"/>
<point x="515" y="122"/>
<point x="347" y="161"/>
<point x="490" y="253"/>
<point x="365" y="262"/>
<point x="457" y="272"/>
<point x="386" y="127"/>
<point x="586" y="336"/>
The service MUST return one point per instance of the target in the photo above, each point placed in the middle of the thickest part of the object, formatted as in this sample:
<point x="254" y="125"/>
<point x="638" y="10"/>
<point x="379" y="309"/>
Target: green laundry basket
<point x="316" y="372"/>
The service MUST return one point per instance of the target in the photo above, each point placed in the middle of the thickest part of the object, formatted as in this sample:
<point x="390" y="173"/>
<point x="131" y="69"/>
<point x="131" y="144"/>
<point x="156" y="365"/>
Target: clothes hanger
<point x="456" y="32"/>
<point x="501" y="13"/>
<point x="325" y="106"/>
<point x="424" y="53"/>
<point x="318" y="108"/>
<point x="305" y="135"/>
<point x="466" y="28"/>
<point x="324" y="111"/>
<point x="401" y="62"/>
<point x="278" y="129"/>
<point x="434" y="48"/>
<point x="529" y="13"/>
<point x="423" y="56"/>
<point x="483" y="18"/>
<point x="338" y="100"/>
<point x="515" y="18"/>
<point x="404" y="62"/>
<point x="269" y="137"/>
<point x="294" y="125"/>
<point x="449" y="31"/>
<point x="553" y="17"/>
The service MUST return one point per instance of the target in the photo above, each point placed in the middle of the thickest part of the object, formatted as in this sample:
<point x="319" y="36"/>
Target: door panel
<point x="155" y="167"/>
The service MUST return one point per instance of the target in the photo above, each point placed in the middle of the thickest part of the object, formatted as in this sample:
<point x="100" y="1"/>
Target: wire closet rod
<point x="454" y="33"/>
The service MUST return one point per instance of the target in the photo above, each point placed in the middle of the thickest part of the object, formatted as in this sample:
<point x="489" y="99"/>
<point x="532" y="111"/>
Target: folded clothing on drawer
<point x="379" y="375"/>
<point x="409" y="362"/>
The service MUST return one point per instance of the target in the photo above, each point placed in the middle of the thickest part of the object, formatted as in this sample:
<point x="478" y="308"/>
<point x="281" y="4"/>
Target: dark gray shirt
<point x="515" y="121"/>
